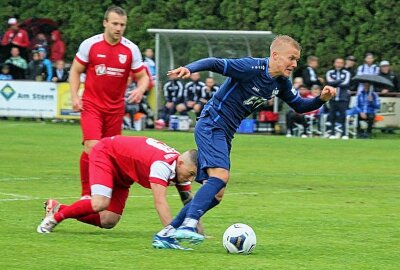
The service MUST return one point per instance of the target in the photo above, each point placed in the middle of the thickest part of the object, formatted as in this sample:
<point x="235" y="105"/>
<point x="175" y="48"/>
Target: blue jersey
<point x="247" y="87"/>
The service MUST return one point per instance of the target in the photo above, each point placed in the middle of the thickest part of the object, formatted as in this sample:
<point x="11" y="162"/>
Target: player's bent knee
<point x="220" y="173"/>
<point x="109" y="219"/>
<point x="220" y="194"/>
<point x="100" y="203"/>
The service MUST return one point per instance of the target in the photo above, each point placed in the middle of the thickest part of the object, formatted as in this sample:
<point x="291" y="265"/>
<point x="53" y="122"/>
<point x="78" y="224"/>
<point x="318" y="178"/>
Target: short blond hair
<point x="280" y="40"/>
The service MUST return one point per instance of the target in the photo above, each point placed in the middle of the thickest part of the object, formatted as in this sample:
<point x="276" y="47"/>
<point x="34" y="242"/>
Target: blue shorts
<point x="213" y="146"/>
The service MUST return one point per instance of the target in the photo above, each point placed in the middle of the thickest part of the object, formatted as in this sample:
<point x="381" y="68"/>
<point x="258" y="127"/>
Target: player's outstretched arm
<point x="327" y="93"/>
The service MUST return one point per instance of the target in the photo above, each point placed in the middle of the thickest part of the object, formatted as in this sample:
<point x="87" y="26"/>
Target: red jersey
<point x="144" y="160"/>
<point x="107" y="70"/>
<point x="17" y="37"/>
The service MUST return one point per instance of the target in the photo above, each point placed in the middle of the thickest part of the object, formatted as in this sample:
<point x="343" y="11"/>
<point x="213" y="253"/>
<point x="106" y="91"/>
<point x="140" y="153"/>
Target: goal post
<point x="178" y="47"/>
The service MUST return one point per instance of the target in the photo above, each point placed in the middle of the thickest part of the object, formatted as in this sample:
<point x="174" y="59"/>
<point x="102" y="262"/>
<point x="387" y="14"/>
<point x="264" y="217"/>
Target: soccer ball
<point x="239" y="238"/>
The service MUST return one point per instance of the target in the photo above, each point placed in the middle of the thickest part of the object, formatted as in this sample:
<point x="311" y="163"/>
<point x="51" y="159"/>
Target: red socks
<point x="84" y="170"/>
<point x="79" y="209"/>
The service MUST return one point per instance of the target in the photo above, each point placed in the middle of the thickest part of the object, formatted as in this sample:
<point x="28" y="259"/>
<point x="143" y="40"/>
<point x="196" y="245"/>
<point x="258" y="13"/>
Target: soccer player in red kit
<point x="107" y="59"/>
<point x="115" y="164"/>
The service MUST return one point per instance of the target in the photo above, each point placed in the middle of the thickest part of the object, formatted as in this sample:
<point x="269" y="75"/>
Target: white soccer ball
<point x="239" y="238"/>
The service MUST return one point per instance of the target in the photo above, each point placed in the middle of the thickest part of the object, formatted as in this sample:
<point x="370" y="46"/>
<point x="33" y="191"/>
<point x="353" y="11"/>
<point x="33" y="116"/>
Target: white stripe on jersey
<point x="162" y="170"/>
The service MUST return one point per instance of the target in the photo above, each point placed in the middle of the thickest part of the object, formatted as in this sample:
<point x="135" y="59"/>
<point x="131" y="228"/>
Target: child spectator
<point x="5" y="73"/>
<point x="47" y="64"/>
<point x="36" y="70"/>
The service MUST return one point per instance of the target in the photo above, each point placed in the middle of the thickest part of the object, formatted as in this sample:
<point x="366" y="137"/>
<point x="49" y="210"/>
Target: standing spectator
<point x="5" y="73"/>
<point x="18" y="65"/>
<point x="15" y="37"/>
<point x="60" y="73"/>
<point x="57" y="49"/>
<point x="36" y="69"/>
<point x="46" y="63"/>
<point x="384" y="71"/>
<point x="340" y="78"/>
<point x="149" y="62"/>
<point x="367" y="68"/>
<point x="173" y="90"/>
<point x="107" y="59"/>
<point x="350" y="66"/>
<point x="191" y="90"/>
<point x="205" y="95"/>
<point x="367" y="104"/>
<point x="309" y="73"/>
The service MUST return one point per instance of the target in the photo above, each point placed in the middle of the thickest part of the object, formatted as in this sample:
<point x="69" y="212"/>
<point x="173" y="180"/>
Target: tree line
<point x="325" y="28"/>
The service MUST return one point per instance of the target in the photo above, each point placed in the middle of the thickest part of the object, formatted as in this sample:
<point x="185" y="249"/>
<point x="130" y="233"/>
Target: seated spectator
<point x="60" y="73"/>
<point x="206" y="94"/>
<point x="47" y="64"/>
<point x="293" y="118"/>
<point x="15" y="37"/>
<point x="173" y="90"/>
<point x="57" y="49"/>
<point x="368" y="103"/>
<point x="385" y="71"/>
<point x="191" y="90"/>
<point x="18" y="65"/>
<point x="5" y="73"/>
<point x="36" y="70"/>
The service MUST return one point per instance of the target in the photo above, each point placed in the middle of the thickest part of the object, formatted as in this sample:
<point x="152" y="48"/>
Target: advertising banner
<point x="28" y="99"/>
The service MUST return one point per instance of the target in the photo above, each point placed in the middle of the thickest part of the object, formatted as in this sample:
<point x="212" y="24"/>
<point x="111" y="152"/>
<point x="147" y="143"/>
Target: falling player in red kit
<point x="115" y="164"/>
<point x="107" y="59"/>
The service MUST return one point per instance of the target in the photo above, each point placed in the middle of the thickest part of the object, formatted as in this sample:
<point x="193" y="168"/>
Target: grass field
<point x="313" y="203"/>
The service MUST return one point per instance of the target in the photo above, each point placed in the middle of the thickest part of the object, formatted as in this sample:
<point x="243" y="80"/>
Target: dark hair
<point x="193" y="156"/>
<point x="120" y="11"/>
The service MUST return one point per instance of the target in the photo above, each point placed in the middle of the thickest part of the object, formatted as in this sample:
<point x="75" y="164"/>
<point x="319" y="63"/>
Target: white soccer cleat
<point x="51" y="207"/>
<point x="47" y="225"/>
<point x="345" y="137"/>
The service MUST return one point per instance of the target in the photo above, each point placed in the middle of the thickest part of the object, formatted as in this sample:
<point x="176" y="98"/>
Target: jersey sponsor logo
<point x="122" y="58"/>
<point x="101" y="55"/>
<point x="275" y="92"/>
<point x="100" y="69"/>
<point x="255" y="89"/>
<point x="254" y="101"/>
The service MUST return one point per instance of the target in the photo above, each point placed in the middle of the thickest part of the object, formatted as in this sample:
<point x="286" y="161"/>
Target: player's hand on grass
<point x="181" y="72"/>
<point x="327" y="93"/>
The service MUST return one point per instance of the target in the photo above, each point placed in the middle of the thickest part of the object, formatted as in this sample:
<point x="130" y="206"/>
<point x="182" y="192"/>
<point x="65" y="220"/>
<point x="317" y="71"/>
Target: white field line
<point x="17" y="197"/>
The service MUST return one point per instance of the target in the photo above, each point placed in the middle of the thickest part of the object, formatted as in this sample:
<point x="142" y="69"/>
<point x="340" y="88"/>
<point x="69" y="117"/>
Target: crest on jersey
<point x="100" y="69"/>
<point x="122" y="58"/>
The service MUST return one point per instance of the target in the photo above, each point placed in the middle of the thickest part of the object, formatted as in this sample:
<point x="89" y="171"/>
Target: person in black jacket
<point x="60" y="73"/>
<point x="309" y="73"/>
<point x="339" y="77"/>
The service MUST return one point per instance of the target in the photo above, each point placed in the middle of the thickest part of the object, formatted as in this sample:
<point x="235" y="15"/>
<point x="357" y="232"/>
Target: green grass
<point x="313" y="203"/>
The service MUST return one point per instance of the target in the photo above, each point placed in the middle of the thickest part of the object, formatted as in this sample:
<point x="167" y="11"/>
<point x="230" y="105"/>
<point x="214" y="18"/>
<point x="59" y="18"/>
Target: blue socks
<point x="204" y="199"/>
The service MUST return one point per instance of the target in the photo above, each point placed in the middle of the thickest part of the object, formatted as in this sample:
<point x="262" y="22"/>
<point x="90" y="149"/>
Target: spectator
<point x="367" y="104"/>
<point x="18" y="65"/>
<point x="47" y="64"/>
<point x="350" y="66"/>
<point x="293" y="118"/>
<point x="191" y="90"/>
<point x="36" y="70"/>
<point x="297" y="82"/>
<point x="5" y="73"/>
<point x="149" y="62"/>
<point x="57" y="49"/>
<point x="309" y="74"/>
<point x="340" y="78"/>
<point x="205" y="95"/>
<point x="60" y="73"/>
<point x="384" y="71"/>
<point x="15" y="37"/>
<point x="173" y="90"/>
<point x="40" y="41"/>
<point x="367" y="68"/>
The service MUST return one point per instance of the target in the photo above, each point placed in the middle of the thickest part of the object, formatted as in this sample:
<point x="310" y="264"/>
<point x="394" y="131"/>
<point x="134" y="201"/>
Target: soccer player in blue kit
<point x="250" y="82"/>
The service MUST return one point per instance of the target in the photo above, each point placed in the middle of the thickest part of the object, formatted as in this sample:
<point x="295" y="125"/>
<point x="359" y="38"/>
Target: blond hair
<point x="280" y="40"/>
